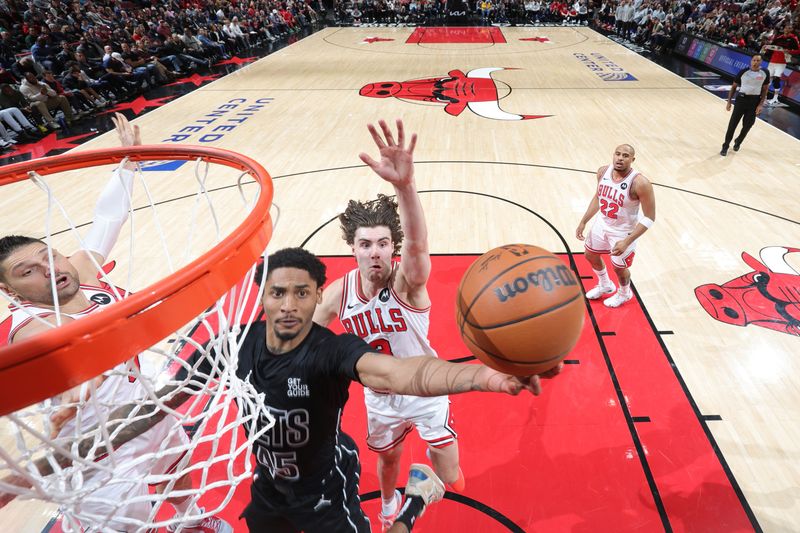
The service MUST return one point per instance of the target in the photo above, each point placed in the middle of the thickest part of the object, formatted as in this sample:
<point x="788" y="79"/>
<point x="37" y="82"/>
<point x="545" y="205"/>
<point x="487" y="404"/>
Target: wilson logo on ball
<point x="544" y="278"/>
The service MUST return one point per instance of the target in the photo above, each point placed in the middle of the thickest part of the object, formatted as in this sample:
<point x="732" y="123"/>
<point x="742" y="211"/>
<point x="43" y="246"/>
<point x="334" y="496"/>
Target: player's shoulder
<point x="602" y="170"/>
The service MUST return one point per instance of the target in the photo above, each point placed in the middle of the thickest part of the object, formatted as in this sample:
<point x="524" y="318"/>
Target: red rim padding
<point x="54" y="361"/>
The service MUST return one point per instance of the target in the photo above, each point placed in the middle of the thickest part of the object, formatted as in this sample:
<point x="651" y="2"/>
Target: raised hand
<point x="128" y="135"/>
<point x="396" y="163"/>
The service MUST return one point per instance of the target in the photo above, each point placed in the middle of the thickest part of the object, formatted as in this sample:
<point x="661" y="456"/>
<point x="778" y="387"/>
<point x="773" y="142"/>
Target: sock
<point x="388" y="509"/>
<point x="188" y="508"/>
<point x="412" y="510"/>
<point x="625" y="289"/>
<point x="602" y="277"/>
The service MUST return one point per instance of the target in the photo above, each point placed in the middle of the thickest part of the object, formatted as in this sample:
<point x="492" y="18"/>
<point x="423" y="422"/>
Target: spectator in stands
<point x="44" y="99"/>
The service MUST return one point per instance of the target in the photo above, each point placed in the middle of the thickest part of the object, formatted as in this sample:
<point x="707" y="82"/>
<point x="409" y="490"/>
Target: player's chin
<point x="285" y="333"/>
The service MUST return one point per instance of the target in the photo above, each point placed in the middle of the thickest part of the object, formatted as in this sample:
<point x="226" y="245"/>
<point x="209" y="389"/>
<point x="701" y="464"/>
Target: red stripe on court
<point x="466" y="35"/>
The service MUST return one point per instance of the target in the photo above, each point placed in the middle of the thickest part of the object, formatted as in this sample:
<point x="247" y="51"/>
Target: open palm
<point x="396" y="163"/>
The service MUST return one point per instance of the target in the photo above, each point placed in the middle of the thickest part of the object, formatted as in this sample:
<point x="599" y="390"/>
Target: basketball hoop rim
<point x="56" y="360"/>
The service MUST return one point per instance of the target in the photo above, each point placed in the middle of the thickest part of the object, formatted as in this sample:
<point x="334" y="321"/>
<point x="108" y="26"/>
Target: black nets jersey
<point x="306" y="389"/>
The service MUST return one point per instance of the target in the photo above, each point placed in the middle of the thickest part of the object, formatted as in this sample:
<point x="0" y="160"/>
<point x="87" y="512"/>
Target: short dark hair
<point x="9" y="244"/>
<point x="379" y="212"/>
<point x="294" y="258"/>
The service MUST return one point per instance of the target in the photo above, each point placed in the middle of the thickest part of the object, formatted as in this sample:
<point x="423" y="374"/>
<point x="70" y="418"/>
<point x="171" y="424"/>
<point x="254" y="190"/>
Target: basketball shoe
<point x="210" y="524"/>
<point x="619" y="298"/>
<point x="388" y="519"/>
<point x="423" y="482"/>
<point x="600" y="290"/>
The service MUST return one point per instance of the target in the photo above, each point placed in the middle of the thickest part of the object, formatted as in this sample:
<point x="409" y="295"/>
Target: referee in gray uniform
<point x="753" y="83"/>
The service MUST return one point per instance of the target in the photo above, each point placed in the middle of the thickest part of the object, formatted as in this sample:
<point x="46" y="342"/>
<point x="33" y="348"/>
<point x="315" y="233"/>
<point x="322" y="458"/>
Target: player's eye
<point x="303" y="293"/>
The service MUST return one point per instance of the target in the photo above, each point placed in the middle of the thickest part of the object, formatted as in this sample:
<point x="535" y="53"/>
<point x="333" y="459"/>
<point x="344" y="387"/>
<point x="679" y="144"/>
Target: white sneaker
<point x="387" y="520"/>
<point x="618" y="299"/>
<point x="423" y="482"/>
<point x="600" y="290"/>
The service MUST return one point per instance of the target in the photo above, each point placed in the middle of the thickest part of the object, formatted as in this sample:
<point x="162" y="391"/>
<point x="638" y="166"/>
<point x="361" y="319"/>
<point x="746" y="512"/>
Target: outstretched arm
<point x="429" y="376"/>
<point x="396" y="166"/>
<point x="112" y="208"/>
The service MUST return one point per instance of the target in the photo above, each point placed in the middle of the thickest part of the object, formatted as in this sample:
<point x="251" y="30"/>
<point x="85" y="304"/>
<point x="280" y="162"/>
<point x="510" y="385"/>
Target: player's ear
<point x="319" y="295"/>
<point x="8" y="290"/>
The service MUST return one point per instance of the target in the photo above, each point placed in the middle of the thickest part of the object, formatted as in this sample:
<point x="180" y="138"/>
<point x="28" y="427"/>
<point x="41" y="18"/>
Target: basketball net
<point x="102" y="485"/>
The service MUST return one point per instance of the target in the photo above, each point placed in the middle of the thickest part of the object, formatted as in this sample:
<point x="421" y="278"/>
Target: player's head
<point x="624" y="156"/>
<point x="373" y="231"/>
<point x="755" y="62"/>
<point x="25" y="272"/>
<point x="292" y="290"/>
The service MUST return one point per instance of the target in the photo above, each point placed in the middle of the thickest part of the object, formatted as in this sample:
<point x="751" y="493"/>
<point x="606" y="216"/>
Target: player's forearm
<point x="429" y="376"/>
<point x="412" y="218"/>
<point x="124" y="424"/>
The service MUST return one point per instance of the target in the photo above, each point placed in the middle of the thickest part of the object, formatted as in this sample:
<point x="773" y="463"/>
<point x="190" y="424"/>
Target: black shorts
<point x="332" y="506"/>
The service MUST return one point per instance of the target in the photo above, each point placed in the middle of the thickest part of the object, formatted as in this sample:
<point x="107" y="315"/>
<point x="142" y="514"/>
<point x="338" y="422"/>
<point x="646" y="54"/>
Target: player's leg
<point x="446" y="464"/>
<point x="434" y="423"/>
<point x="385" y="437"/>
<point x="621" y="264"/>
<point x="775" y="72"/>
<point x="388" y="472"/>
<point x="596" y="243"/>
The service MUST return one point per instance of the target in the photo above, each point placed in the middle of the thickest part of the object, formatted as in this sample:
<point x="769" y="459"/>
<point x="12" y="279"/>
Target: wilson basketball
<point x="520" y="309"/>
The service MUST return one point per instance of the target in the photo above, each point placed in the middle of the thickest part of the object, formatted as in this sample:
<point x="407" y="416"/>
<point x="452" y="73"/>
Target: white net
<point x="163" y="439"/>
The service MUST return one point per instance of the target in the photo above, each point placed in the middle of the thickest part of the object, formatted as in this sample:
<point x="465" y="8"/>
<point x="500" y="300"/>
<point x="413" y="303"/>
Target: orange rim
<point x="54" y="361"/>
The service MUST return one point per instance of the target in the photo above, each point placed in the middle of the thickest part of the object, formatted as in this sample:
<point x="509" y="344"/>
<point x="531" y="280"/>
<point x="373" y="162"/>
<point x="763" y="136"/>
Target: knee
<point x="391" y="457"/>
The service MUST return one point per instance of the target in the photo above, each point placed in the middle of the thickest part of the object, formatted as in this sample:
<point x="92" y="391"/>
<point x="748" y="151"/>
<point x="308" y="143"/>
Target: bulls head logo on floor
<point x="475" y="90"/>
<point x="768" y="297"/>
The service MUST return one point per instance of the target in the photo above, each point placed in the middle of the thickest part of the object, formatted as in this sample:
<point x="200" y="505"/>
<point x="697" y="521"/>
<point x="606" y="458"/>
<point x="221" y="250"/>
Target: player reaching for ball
<point x="620" y="192"/>
<point x="386" y="303"/>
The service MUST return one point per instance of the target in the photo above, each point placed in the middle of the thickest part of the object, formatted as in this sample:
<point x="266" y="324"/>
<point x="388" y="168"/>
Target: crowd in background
<point x="63" y="60"/>
<point x="655" y="24"/>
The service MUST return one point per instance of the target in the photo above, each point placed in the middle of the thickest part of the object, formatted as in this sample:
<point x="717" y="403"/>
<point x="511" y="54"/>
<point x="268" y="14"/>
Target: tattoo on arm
<point x="434" y="377"/>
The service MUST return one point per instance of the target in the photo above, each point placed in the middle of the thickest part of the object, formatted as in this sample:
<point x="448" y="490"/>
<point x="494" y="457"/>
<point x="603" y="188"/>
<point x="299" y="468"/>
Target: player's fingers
<point x="368" y="160"/>
<point x="376" y="136"/>
<point x="401" y="134"/>
<point x="137" y="135"/>
<point x="412" y="144"/>
<point x="535" y="386"/>
<point x="387" y="132"/>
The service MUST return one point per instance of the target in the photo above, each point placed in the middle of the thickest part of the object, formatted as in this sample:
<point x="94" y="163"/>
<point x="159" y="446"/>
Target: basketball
<point x="520" y="309"/>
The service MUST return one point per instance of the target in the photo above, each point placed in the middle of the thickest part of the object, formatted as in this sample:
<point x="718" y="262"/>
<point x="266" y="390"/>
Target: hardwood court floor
<point x="488" y="182"/>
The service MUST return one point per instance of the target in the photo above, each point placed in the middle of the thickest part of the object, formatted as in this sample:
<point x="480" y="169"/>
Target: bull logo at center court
<point x="475" y="90"/>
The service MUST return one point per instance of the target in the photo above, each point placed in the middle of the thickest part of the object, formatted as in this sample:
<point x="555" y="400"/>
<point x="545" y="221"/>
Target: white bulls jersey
<point x="392" y="326"/>
<point x="385" y="322"/>
<point x="118" y="386"/>
<point x="617" y="209"/>
<point x="23" y="314"/>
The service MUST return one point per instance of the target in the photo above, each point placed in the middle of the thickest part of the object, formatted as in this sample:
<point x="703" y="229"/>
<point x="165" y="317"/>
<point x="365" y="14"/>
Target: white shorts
<point x="602" y="238"/>
<point x="776" y="69"/>
<point x="126" y="493"/>
<point x="390" y="417"/>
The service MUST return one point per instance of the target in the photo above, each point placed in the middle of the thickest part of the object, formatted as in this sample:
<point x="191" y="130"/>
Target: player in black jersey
<point x="308" y="469"/>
